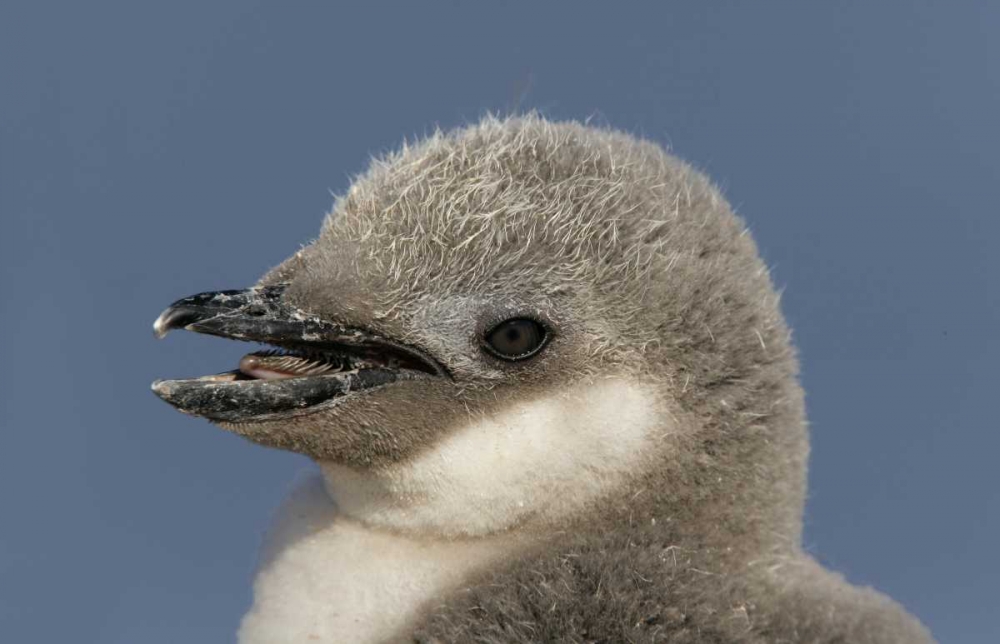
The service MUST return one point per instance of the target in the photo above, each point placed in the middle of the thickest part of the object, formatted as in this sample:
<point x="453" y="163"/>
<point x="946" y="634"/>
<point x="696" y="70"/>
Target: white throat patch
<point x="539" y="460"/>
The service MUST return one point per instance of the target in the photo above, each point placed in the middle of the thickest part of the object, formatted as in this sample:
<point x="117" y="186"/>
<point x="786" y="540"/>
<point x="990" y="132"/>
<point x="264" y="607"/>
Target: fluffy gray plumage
<point x="645" y="272"/>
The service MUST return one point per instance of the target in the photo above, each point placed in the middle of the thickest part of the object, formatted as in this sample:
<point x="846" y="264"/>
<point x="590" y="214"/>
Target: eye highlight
<point x="515" y="339"/>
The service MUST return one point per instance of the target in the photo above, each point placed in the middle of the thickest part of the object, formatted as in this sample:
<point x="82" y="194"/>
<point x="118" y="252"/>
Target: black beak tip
<point x="175" y="317"/>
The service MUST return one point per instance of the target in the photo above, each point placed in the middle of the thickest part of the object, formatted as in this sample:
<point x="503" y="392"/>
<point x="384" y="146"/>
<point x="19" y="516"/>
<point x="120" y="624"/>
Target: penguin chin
<point x="316" y="363"/>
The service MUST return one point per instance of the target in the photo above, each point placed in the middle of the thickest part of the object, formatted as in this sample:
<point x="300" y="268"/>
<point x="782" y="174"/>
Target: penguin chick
<point x="552" y="397"/>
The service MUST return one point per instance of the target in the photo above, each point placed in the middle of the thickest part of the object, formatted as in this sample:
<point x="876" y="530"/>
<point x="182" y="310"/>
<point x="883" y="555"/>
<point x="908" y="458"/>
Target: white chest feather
<point x="327" y="578"/>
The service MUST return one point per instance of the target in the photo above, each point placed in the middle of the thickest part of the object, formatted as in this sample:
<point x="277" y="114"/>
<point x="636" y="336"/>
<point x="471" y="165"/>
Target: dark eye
<point x="515" y="339"/>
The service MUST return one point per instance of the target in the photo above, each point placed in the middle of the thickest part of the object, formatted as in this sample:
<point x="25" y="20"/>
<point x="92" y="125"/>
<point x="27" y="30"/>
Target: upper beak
<point x="256" y="314"/>
<point x="260" y="315"/>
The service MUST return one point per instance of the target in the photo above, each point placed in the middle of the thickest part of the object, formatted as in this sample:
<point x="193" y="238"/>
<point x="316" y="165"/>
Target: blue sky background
<point x="152" y="150"/>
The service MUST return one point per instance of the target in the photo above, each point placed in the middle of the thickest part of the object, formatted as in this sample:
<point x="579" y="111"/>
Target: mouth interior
<point x="310" y="362"/>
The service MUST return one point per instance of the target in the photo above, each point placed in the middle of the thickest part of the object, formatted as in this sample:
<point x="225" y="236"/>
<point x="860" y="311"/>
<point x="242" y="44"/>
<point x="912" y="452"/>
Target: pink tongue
<point x="255" y="367"/>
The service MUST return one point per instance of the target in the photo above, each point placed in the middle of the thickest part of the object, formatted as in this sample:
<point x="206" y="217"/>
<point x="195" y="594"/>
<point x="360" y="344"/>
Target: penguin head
<point x="521" y="316"/>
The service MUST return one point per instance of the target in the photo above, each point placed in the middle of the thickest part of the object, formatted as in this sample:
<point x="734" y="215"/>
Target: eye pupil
<point x="515" y="339"/>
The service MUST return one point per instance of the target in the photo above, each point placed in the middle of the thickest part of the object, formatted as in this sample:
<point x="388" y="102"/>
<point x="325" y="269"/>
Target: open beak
<point x="314" y="362"/>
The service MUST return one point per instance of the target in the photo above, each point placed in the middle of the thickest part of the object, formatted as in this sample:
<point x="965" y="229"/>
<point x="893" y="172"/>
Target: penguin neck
<point x="531" y="467"/>
<point x="597" y="461"/>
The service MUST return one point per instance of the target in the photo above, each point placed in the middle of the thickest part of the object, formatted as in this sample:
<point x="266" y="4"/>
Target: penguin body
<point x="552" y="397"/>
